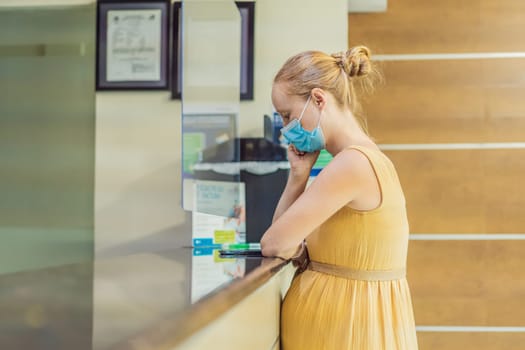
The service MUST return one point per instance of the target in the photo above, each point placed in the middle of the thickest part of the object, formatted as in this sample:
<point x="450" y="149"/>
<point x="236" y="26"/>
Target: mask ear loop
<point x="304" y="108"/>
<point x="319" y="122"/>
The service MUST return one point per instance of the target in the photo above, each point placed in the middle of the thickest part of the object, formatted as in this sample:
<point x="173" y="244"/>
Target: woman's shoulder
<point x="360" y="154"/>
<point x="355" y="162"/>
<point x="370" y="151"/>
<point x="367" y="148"/>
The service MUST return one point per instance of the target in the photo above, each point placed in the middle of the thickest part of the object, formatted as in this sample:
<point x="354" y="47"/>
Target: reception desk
<point x="182" y="298"/>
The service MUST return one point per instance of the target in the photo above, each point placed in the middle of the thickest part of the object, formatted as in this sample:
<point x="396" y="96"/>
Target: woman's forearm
<point x="294" y="188"/>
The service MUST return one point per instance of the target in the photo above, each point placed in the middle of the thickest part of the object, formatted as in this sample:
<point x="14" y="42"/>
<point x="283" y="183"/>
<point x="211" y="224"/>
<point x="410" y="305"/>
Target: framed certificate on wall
<point x="132" y="44"/>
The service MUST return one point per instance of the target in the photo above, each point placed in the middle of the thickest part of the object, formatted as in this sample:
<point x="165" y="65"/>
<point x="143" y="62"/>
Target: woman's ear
<point x="319" y="98"/>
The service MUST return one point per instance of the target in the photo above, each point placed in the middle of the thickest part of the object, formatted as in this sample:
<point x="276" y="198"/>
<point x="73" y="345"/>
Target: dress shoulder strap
<point x="383" y="169"/>
<point x="376" y="157"/>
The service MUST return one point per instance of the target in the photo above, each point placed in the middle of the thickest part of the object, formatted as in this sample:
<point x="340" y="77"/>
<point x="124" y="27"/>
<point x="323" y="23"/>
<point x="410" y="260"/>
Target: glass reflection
<point x="47" y="309"/>
<point x="209" y="271"/>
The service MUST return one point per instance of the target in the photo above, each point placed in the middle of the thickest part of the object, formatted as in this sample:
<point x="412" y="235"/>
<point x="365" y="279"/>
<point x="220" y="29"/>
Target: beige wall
<point x="137" y="165"/>
<point x="138" y="133"/>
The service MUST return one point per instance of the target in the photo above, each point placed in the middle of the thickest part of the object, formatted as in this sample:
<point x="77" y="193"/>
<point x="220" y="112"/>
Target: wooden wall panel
<point x="454" y="283"/>
<point x="414" y="26"/>
<point x="448" y="101"/>
<point x="470" y="341"/>
<point x="467" y="283"/>
<point x="463" y="191"/>
<point x="455" y="72"/>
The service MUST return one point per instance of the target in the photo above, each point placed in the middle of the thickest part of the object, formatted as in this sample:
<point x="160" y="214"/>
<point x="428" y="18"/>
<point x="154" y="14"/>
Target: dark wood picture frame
<point x="247" y="11"/>
<point x="102" y="81"/>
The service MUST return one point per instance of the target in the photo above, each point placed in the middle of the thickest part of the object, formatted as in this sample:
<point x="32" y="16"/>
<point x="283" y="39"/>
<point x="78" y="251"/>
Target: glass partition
<point x="211" y="61"/>
<point x="211" y="40"/>
<point x="47" y="120"/>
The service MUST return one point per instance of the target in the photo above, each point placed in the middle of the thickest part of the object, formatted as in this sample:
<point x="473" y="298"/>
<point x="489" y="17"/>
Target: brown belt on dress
<point x="363" y="275"/>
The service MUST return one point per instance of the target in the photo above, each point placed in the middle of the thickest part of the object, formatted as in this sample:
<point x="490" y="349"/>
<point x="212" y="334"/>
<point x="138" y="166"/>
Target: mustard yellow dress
<point x="354" y="294"/>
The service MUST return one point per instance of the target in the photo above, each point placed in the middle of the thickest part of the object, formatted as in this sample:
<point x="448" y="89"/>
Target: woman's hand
<point x="301" y="163"/>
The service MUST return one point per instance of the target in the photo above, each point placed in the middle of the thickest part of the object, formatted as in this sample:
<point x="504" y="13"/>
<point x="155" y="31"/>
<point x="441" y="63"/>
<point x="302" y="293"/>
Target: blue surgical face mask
<point x="304" y="140"/>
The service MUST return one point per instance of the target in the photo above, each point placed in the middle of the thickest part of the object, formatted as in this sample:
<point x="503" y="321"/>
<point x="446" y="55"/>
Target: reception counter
<point x="183" y="298"/>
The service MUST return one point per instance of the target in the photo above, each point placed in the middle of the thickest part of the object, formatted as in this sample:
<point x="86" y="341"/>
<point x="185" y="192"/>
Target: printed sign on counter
<point x="219" y="213"/>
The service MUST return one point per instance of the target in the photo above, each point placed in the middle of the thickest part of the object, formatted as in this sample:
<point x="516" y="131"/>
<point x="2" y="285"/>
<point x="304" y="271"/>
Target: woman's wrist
<point x="299" y="177"/>
<point x="296" y="185"/>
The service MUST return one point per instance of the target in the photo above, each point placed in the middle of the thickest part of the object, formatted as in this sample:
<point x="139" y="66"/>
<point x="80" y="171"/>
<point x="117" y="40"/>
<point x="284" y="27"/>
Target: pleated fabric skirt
<point x="326" y="312"/>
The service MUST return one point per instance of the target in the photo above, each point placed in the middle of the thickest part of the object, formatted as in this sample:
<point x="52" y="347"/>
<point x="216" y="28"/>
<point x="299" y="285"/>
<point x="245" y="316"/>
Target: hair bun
<point x="355" y="61"/>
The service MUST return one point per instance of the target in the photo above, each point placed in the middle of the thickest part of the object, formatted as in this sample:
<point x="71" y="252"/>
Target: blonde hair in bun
<point x="355" y="62"/>
<point x="344" y="74"/>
